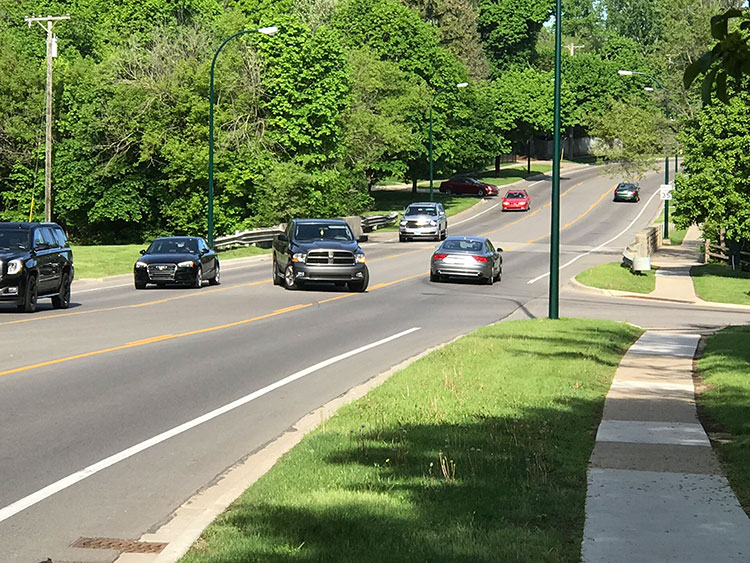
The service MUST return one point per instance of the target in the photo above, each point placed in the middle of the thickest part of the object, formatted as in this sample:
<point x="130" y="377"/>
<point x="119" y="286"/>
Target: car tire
<point x="499" y="275"/>
<point x="445" y="234"/>
<point x="401" y="238"/>
<point x="140" y="285"/>
<point x="216" y="280"/>
<point x="434" y="277"/>
<point x="28" y="305"/>
<point x="482" y="192"/>
<point x="62" y="299"/>
<point x="489" y="280"/>
<point x="198" y="279"/>
<point x="290" y="282"/>
<point x="360" y="286"/>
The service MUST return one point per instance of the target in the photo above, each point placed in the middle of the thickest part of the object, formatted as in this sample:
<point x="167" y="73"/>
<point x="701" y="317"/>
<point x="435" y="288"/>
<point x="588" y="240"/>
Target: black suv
<point x="35" y="261"/>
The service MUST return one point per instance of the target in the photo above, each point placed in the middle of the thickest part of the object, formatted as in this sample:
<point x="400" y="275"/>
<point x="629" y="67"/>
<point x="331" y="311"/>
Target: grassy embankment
<point x="618" y="277"/>
<point x="676" y="236"/>
<point x="476" y="452"/>
<point x="717" y="283"/>
<point x="724" y="369"/>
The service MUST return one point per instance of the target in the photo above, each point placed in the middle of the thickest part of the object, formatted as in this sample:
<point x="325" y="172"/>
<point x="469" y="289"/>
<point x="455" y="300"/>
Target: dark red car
<point x="465" y="185"/>
<point x="516" y="200"/>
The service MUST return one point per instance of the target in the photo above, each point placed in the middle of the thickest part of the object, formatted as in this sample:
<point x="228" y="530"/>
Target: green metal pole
<point x="554" y="251"/>
<point x="433" y="100"/>
<point x="666" y="181"/>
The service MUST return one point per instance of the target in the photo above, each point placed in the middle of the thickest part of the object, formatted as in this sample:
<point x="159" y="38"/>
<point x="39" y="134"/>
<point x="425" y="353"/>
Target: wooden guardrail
<point x="721" y="252"/>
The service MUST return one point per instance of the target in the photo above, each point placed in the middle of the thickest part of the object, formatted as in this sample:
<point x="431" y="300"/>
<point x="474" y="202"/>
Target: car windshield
<point x="421" y="210"/>
<point x="322" y="231"/>
<point x="627" y="187"/>
<point x="173" y="246"/>
<point x="14" y="239"/>
<point x="515" y="195"/>
<point x="464" y="245"/>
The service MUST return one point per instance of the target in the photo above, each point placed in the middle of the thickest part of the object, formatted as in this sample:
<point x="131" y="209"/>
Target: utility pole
<point x="47" y="22"/>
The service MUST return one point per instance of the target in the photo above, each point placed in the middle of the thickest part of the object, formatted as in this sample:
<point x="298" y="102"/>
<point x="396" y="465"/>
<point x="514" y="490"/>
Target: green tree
<point x="713" y="189"/>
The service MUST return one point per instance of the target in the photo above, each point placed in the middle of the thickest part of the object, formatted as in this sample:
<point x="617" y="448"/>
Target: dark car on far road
<point x="177" y="260"/>
<point x="35" y="261"/>
<point x="627" y="191"/>
<point x="465" y="185"/>
<point x="467" y="257"/>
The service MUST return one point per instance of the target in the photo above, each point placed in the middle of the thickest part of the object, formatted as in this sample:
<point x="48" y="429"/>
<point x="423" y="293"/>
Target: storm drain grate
<point x="124" y="546"/>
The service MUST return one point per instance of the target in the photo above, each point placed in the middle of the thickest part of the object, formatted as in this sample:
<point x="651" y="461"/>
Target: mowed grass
<point x="725" y="369"/>
<point x="112" y="260"/>
<point x="719" y="284"/>
<point x="476" y="452"/>
<point x="618" y="277"/>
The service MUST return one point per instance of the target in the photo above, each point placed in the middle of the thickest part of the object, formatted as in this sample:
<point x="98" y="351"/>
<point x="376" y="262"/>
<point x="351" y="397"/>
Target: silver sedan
<point x="467" y="257"/>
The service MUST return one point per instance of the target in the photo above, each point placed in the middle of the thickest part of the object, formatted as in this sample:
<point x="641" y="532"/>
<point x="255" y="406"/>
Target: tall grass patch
<point x="476" y="452"/>
<point x="725" y="370"/>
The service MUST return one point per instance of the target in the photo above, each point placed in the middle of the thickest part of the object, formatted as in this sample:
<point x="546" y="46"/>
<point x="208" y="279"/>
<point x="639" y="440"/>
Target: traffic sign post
<point x="665" y="191"/>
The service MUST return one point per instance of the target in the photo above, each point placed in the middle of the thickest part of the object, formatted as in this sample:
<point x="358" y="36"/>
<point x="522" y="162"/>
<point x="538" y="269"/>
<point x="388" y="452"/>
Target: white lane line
<point x="65" y="482"/>
<point x="618" y="235"/>
<point x="493" y="207"/>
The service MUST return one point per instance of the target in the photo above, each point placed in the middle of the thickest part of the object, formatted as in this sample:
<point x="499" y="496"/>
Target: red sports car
<point x="516" y="200"/>
<point x="468" y="186"/>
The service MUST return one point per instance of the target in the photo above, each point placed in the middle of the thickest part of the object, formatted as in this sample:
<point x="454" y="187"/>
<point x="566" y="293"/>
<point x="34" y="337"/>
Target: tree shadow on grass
<point x="486" y="489"/>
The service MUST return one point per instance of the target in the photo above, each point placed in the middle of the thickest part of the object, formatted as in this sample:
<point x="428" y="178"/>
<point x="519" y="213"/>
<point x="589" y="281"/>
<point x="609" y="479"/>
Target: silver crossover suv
<point x="423" y="219"/>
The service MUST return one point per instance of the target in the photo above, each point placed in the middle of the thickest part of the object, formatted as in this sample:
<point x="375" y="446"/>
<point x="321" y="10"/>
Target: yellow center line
<point x="134" y="305"/>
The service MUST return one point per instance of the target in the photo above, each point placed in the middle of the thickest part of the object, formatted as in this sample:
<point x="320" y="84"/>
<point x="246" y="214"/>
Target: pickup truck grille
<point x="162" y="272"/>
<point x="330" y="258"/>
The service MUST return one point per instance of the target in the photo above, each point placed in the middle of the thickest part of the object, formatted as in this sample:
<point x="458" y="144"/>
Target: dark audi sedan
<point x="627" y="191"/>
<point x="177" y="260"/>
<point x="467" y="257"/>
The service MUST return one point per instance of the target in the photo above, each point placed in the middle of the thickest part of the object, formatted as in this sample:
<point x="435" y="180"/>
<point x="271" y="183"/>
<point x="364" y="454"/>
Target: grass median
<point x="724" y="368"/>
<point x="719" y="284"/>
<point x="618" y="277"/>
<point x="477" y="452"/>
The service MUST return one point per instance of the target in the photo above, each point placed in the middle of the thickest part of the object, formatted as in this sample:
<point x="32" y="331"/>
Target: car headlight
<point x="140" y="264"/>
<point x="433" y="223"/>
<point x="186" y="264"/>
<point x="403" y="222"/>
<point x="15" y="266"/>
<point x="360" y="257"/>
<point x="299" y="257"/>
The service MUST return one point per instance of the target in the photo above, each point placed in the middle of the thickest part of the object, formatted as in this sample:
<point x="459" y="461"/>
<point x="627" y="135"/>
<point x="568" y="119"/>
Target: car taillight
<point x="480" y="258"/>
<point x="437" y="256"/>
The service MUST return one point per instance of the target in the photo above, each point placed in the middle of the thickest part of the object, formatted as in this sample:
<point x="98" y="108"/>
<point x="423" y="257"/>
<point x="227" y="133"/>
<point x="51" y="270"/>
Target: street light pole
<point x="666" y="156"/>
<point x="265" y="31"/>
<point x="435" y="95"/>
<point x="554" y="251"/>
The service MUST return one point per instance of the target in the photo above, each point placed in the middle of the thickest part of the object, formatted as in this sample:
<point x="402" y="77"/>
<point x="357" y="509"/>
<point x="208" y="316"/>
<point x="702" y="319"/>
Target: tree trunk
<point x="414" y="186"/>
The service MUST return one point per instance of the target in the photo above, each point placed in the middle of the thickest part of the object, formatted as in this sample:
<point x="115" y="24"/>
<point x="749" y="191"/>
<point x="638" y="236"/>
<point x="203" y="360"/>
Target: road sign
<point x="665" y="191"/>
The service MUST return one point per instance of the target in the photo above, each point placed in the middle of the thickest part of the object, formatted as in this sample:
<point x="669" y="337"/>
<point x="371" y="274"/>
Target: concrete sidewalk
<point x="655" y="489"/>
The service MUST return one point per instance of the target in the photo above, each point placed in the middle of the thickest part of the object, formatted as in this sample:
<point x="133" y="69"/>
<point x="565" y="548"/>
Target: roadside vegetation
<point x="476" y="452"/>
<point x="112" y="260"/>
<point x="617" y="276"/>
<point x="719" y="284"/>
<point x="724" y="369"/>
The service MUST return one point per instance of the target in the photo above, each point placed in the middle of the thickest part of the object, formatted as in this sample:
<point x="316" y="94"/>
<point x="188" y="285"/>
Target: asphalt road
<point x="116" y="411"/>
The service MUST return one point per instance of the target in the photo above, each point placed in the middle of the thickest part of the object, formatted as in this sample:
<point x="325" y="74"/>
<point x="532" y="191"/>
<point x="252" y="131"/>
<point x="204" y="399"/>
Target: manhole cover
<point x="124" y="546"/>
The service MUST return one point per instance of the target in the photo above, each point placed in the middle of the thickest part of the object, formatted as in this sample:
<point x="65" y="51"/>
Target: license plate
<point x="417" y="232"/>
<point x="455" y="259"/>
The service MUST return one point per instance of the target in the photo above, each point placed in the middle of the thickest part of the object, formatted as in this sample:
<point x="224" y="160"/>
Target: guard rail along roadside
<point x="264" y="237"/>
<point x="374" y="222"/>
<point x="637" y="256"/>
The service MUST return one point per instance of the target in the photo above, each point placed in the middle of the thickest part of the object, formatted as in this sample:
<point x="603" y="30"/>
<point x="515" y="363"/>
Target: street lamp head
<point x="268" y="30"/>
<point x="462" y="85"/>
<point x="625" y="72"/>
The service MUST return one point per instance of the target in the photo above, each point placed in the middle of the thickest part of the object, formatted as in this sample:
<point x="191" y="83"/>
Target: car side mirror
<point x="282" y="237"/>
<point x="499" y="249"/>
<point x="203" y="251"/>
<point x="143" y="251"/>
<point x="363" y="238"/>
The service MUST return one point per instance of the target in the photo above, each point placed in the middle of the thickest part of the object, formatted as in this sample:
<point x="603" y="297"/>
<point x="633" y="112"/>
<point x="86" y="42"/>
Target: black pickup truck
<point x="319" y="250"/>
